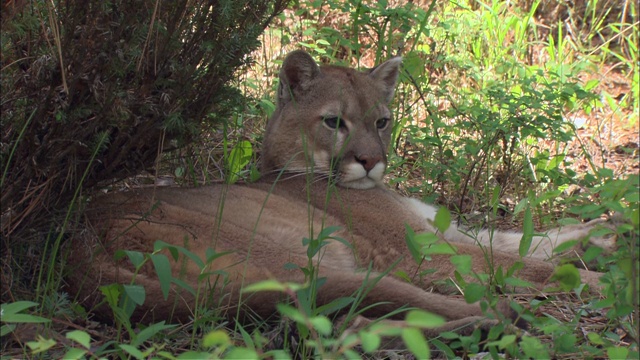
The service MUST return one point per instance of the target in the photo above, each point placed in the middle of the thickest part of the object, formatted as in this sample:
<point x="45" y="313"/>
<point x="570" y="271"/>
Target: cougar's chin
<point x="361" y="184"/>
<point x="354" y="176"/>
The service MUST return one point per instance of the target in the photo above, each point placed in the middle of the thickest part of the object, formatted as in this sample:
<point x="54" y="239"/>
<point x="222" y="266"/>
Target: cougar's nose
<point x="368" y="161"/>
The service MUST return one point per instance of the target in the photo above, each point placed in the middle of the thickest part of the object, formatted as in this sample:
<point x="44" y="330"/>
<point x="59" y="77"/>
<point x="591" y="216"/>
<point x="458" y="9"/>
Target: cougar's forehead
<point x="348" y="92"/>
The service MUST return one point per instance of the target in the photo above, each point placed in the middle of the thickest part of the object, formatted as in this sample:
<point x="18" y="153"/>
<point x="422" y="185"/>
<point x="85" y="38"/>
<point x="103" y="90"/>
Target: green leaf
<point x="495" y="332"/>
<point x="591" y="253"/>
<point x="291" y="266"/>
<point x="595" y="338"/>
<point x="423" y="319"/>
<point x="567" y="276"/>
<point x="495" y="197"/>
<point x="386" y="329"/>
<point x="589" y="210"/>
<point x="290" y="312"/>
<point x="591" y="84"/>
<point x="446" y="350"/>
<point x="527" y="234"/>
<point x="196" y="260"/>
<point x="135" y="293"/>
<point x="248" y="341"/>
<point x="568" y="221"/>
<point x="505" y="341"/>
<point x="561" y="248"/>
<point x="242" y="353"/>
<point x="284" y="355"/>
<point x="335" y="305"/>
<point x="402" y="276"/>
<point x="442" y="221"/>
<point x="517" y="282"/>
<point x="74" y="354"/>
<point x="193" y="355"/>
<point x="79" y="337"/>
<point x="426" y="239"/>
<point x="555" y="161"/>
<point x="184" y="285"/>
<point x="211" y="255"/>
<point x="616" y="352"/>
<point x="565" y="343"/>
<point x="604" y="303"/>
<point x="635" y="217"/>
<point x="270" y="285"/>
<point x="161" y="245"/>
<point x="216" y="338"/>
<point x="149" y="332"/>
<point x="615" y="206"/>
<point x="627" y="266"/>
<point x="462" y="263"/>
<point x="131" y="350"/>
<point x="523" y="204"/>
<point x="23" y="318"/>
<point x="449" y="335"/>
<point x="268" y="106"/>
<point x="163" y="269"/>
<point x="474" y="292"/>
<point x="413" y="63"/>
<point x="118" y="255"/>
<point x="416" y="343"/>
<point x="15" y="307"/>
<point x="414" y="249"/>
<point x="533" y="348"/>
<point x="326" y="232"/>
<point x="322" y="325"/>
<point x="440" y="249"/>
<point x="111" y="293"/>
<point x="41" y="344"/>
<point x="370" y="341"/>
<point x="136" y="257"/>
<point x="351" y="339"/>
<point x="238" y="158"/>
<point x="6" y="329"/>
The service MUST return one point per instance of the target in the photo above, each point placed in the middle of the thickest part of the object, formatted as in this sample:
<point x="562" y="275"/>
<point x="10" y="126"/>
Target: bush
<point x="94" y="91"/>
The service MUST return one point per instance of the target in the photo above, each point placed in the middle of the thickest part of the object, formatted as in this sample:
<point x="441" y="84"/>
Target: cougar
<point x="322" y="165"/>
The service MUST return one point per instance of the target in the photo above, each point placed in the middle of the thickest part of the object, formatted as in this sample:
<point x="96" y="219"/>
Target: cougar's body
<point x="323" y="160"/>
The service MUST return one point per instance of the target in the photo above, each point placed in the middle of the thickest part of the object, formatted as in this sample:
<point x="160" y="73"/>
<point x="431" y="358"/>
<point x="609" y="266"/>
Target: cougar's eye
<point x="382" y="123"/>
<point x="333" y="122"/>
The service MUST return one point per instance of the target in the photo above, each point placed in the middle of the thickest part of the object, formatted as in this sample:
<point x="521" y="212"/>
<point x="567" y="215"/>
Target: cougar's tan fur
<point x="332" y="125"/>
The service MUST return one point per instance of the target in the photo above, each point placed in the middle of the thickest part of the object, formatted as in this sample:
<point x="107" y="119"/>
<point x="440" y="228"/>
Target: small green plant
<point x="123" y="299"/>
<point x="317" y="330"/>
<point x="13" y="313"/>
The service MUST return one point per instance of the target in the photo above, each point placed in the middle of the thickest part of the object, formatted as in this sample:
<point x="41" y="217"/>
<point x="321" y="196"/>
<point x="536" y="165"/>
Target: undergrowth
<point x="490" y="115"/>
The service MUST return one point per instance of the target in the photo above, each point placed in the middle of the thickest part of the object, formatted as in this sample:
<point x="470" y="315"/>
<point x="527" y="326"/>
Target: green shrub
<point x="94" y="91"/>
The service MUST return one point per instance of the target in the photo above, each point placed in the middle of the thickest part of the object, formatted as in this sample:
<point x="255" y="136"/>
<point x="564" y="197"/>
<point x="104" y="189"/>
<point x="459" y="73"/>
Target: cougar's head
<point x="331" y="121"/>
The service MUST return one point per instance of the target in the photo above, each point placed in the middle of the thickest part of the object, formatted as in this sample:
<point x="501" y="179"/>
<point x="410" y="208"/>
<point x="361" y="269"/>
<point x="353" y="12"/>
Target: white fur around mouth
<point x="356" y="177"/>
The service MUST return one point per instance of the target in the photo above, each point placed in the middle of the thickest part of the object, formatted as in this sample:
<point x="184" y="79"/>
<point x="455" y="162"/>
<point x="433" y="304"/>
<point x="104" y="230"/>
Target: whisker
<point x="318" y="174"/>
<point x="326" y="176"/>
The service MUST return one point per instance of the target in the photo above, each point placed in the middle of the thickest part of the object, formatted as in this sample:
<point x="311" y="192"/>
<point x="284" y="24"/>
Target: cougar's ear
<point x="387" y="73"/>
<point x="298" y="69"/>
